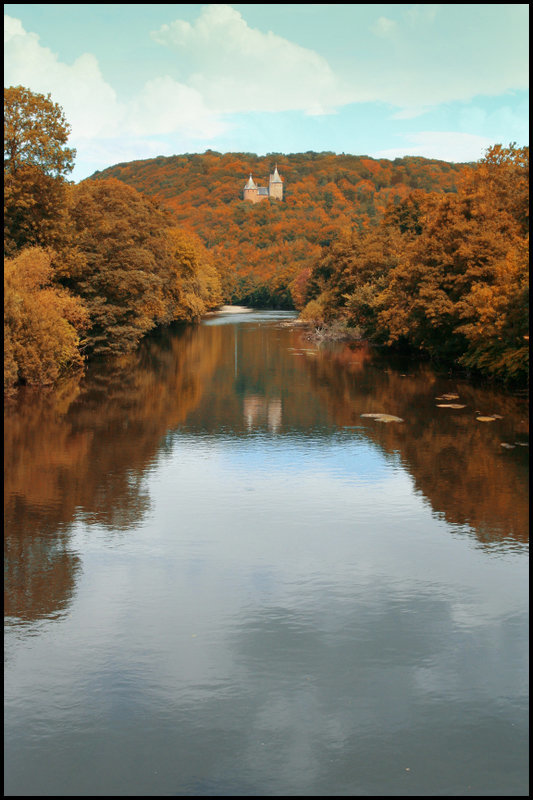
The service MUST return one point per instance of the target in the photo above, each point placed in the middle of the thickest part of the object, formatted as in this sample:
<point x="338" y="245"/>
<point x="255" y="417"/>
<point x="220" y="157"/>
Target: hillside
<point x="261" y="249"/>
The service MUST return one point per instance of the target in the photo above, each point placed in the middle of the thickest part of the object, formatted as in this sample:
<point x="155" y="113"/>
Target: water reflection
<point x="82" y="452"/>
<point x="258" y="410"/>
<point x="457" y="462"/>
<point x="267" y="593"/>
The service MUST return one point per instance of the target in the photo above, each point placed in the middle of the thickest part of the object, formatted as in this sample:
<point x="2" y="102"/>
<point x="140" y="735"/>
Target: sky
<point x="137" y="81"/>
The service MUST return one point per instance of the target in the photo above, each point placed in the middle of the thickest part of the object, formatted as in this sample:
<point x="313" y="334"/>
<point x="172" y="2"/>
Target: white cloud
<point x="499" y="121"/>
<point x="419" y="57"/>
<point x="384" y="27"/>
<point x="89" y="103"/>
<point x="100" y="153"/>
<point x="444" y="145"/>
<point x="432" y="54"/>
<point x="165" y="106"/>
<point x="413" y="59"/>
<point x="239" y="68"/>
<point x="91" y="106"/>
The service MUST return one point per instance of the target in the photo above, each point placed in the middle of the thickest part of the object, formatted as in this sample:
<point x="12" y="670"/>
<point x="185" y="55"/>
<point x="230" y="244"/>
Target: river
<point x="222" y="579"/>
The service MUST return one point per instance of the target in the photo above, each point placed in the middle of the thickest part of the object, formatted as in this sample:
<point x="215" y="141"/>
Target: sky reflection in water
<point x="221" y="580"/>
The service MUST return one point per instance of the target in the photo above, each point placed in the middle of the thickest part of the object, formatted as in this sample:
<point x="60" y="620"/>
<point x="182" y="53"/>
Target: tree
<point x="132" y="268"/>
<point x="120" y="235"/>
<point x="446" y="274"/>
<point x="36" y="162"/>
<point x="500" y="182"/>
<point x="42" y="322"/>
<point x="192" y="284"/>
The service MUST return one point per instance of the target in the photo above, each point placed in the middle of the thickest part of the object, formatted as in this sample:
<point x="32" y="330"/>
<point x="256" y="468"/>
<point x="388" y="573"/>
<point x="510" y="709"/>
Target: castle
<point x="255" y="193"/>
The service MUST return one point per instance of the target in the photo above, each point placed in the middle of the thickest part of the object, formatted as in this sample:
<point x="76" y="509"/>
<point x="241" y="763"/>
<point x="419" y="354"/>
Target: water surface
<point x="221" y="579"/>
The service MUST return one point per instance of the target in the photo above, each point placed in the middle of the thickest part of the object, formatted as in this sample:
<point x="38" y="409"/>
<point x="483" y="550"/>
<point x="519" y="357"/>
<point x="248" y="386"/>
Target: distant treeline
<point x="412" y="253"/>
<point x="261" y="249"/>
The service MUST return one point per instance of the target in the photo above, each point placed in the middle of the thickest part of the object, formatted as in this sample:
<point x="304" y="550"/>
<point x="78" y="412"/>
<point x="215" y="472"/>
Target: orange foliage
<point x="42" y="322"/>
<point x="260" y="249"/>
<point x="446" y="274"/>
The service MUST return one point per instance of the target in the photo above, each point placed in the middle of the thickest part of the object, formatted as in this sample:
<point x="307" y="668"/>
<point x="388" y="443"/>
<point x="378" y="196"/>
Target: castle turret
<point x="275" y="185"/>
<point x="254" y="193"/>
<point x="250" y="190"/>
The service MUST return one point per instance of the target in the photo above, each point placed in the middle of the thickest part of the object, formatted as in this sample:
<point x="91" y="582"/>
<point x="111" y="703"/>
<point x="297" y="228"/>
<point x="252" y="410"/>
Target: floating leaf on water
<point x="450" y="405"/>
<point x="485" y="419"/>
<point x="383" y="417"/>
<point x="507" y="446"/>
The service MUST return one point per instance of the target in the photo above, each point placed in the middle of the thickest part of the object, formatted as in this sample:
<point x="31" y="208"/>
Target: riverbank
<point x="339" y="332"/>
<point x="335" y="332"/>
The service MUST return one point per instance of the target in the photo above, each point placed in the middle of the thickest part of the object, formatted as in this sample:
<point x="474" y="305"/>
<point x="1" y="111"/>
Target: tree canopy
<point x="36" y="161"/>
<point x="98" y="260"/>
<point x="446" y="275"/>
<point x="35" y="134"/>
<point x="42" y="322"/>
<point x="261" y="249"/>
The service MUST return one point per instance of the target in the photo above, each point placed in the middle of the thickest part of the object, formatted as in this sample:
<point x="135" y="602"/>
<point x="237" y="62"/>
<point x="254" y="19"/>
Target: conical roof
<point x="274" y="178"/>
<point x="250" y="184"/>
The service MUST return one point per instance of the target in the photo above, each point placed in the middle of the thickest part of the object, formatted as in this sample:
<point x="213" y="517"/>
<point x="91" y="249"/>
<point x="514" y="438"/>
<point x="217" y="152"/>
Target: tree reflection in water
<point x="456" y="462"/>
<point x="81" y="452"/>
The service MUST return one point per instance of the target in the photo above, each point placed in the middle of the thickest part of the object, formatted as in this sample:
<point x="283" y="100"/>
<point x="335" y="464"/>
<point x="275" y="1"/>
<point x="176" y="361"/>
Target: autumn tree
<point x="499" y="182"/>
<point x="119" y="233"/>
<point x="133" y="270"/>
<point x="445" y="275"/>
<point x="261" y="249"/>
<point x="36" y="163"/>
<point x="42" y="322"/>
<point x="460" y="291"/>
<point x="193" y="286"/>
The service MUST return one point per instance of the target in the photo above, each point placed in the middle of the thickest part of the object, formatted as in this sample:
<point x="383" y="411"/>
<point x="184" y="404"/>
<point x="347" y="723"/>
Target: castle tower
<point x="275" y="185"/>
<point x="251" y="191"/>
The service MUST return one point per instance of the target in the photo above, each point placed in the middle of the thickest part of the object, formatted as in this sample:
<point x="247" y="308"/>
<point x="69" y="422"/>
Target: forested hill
<point x="261" y="249"/>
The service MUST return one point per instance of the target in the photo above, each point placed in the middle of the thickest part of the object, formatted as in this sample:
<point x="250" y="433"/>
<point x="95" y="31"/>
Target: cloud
<point x="162" y="107"/>
<point x="500" y="121"/>
<point x="90" y="104"/>
<point x="432" y="54"/>
<point x="100" y="153"/>
<point x="444" y="145"/>
<point x="165" y="106"/>
<point x="238" y="68"/>
<point x="414" y="59"/>
<point x="384" y="27"/>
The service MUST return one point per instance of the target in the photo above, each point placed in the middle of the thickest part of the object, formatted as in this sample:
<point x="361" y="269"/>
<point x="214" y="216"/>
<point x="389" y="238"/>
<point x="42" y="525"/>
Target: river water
<point x="222" y="580"/>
